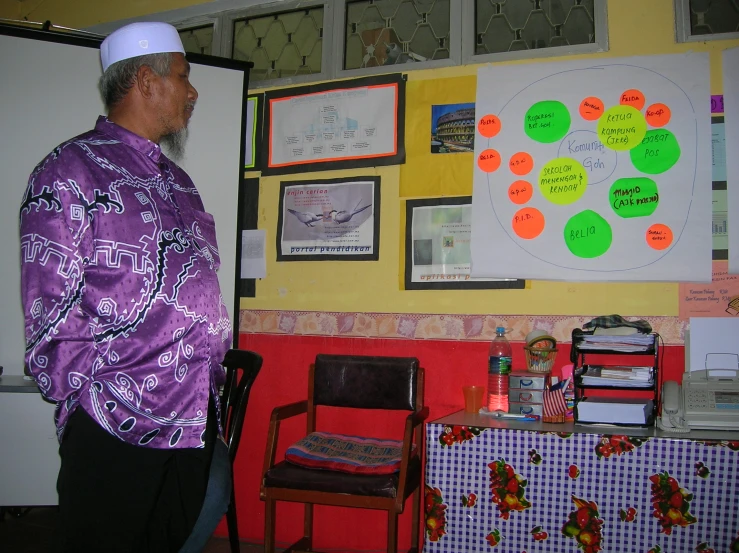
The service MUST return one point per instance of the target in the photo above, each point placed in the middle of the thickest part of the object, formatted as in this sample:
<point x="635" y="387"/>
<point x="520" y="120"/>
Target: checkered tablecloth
<point x="557" y="468"/>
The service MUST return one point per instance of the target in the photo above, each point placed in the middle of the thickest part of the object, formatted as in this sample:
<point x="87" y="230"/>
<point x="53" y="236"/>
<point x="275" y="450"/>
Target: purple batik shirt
<point x="124" y="315"/>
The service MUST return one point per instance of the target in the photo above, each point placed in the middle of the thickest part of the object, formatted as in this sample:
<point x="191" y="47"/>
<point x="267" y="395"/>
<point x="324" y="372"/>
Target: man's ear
<point x="145" y="81"/>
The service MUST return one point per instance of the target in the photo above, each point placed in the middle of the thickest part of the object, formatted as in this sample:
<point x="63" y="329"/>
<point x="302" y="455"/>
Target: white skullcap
<point x="139" y="39"/>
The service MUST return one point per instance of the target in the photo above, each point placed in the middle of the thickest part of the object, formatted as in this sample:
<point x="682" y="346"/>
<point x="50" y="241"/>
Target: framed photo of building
<point x="452" y="128"/>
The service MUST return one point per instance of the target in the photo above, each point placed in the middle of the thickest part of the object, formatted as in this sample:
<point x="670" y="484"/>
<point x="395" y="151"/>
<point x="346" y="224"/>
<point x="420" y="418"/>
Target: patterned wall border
<point x="412" y="326"/>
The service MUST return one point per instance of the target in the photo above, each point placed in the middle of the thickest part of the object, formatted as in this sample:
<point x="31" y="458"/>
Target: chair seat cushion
<point x="294" y="477"/>
<point x="342" y="453"/>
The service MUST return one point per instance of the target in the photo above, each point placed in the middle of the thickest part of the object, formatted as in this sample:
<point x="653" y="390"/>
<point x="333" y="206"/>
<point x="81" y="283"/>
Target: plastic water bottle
<point x="499" y="367"/>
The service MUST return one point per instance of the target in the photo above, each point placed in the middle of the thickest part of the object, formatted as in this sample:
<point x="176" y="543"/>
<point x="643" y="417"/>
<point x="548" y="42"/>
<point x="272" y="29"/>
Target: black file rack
<point x="579" y="358"/>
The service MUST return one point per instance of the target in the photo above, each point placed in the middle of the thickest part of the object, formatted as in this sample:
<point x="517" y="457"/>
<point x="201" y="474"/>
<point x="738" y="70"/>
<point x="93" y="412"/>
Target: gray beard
<point x="173" y="144"/>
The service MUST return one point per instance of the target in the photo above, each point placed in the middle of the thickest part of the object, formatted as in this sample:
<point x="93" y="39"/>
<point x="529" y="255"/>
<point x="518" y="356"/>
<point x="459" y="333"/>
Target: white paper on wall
<point x="594" y="170"/>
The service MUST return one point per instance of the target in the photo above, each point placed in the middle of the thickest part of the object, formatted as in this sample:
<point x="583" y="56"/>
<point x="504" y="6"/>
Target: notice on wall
<point x="719" y="298"/>
<point x="719" y="197"/>
<point x="731" y="118"/>
<point x="594" y="170"/>
<point x="337" y="125"/>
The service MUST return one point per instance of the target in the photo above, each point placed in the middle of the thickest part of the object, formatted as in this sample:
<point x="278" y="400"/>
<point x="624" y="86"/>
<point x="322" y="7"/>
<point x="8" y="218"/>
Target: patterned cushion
<point x="352" y="454"/>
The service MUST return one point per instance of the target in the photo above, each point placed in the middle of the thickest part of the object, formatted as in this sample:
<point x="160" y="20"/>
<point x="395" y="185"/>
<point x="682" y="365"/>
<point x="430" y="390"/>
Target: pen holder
<point x="539" y="360"/>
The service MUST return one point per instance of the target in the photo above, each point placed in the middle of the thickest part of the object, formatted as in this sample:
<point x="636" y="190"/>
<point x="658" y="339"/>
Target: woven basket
<point x="539" y="360"/>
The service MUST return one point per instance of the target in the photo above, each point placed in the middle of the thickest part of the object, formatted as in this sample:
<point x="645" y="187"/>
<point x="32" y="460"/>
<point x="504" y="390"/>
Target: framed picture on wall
<point x="253" y="134"/>
<point x="437" y="247"/>
<point x="329" y="220"/>
<point x="248" y="241"/>
<point x="719" y="198"/>
<point x="336" y="125"/>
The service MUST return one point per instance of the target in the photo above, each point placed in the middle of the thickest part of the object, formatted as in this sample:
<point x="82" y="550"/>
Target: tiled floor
<point x="36" y="532"/>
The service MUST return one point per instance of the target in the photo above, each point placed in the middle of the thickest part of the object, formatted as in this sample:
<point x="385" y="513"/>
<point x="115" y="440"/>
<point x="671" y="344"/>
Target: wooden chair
<point x="360" y="382"/>
<point x="242" y="368"/>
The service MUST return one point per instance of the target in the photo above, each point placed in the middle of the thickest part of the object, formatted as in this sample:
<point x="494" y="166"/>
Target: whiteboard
<point x="49" y="94"/>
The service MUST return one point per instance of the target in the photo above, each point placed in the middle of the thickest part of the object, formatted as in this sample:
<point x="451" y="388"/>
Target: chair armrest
<point x="411" y="422"/>
<point x="418" y="417"/>
<point x="290" y="410"/>
<point x="278" y="415"/>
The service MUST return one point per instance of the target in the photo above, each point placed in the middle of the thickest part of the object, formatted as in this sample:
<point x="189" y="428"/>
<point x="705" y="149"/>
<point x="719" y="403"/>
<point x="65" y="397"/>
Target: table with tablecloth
<point x="512" y="486"/>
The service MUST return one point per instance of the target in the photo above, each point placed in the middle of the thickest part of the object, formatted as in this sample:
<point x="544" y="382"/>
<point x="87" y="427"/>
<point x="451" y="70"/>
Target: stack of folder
<point x="607" y="410"/>
<point x="617" y="376"/>
<point x="632" y="343"/>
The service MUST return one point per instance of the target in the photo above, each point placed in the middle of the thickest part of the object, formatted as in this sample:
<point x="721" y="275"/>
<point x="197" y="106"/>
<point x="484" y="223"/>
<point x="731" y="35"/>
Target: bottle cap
<point x="499" y="329"/>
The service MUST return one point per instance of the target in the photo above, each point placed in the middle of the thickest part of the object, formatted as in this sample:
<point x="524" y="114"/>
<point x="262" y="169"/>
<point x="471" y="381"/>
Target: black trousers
<point x="115" y="497"/>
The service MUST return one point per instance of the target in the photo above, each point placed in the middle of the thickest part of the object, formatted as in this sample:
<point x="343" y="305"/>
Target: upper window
<point x="510" y="25"/>
<point x="280" y="45"/>
<point x="310" y="40"/>
<point x="198" y="40"/>
<point x="390" y="32"/>
<point x="706" y="19"/>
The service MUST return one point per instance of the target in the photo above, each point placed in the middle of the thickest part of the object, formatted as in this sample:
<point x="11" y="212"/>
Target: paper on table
<point x="711" y="338"/>
<point x="253" y="260"/>
<point x="731" y="120"/>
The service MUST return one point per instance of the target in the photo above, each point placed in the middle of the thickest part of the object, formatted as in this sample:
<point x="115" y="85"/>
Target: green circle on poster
<point x="547" y="121"/>
<point x="657" y="152"/>
<point x="634" y="197"/>
<point x="588" y="235"/>
<point x="621" y="127"/>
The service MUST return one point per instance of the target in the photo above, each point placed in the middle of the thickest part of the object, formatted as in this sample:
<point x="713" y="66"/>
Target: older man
<point x="125" y="322"/>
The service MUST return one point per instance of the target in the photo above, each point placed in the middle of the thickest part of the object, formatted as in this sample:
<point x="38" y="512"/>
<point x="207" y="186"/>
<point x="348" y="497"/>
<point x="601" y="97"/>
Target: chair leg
<point x="416" y="520"/>
<point x="269" y="525"/>
<point x="392" y="532"/>
<point x="233" y="527"/>
<point x="308" y="526"/>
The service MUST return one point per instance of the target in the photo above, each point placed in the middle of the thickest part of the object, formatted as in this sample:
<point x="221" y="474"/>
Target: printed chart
<point x="594" y="170"/>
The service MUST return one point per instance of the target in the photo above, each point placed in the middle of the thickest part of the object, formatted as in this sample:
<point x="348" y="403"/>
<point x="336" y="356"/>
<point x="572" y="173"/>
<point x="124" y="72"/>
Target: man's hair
<point x="120" y="77"/>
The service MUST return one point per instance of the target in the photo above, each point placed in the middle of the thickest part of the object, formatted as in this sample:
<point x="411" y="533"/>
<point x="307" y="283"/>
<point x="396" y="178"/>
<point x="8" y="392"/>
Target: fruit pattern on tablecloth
<point x="617" y="445"/>
<point x="458" y="435"/>
<point x="507" y="489"/>
<point x="584" y="525"/>
<point x="670" y="502"/>
<point x="435" y="513"/>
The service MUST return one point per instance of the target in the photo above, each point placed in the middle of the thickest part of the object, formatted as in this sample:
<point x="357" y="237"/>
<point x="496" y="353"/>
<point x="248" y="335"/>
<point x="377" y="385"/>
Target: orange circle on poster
<point x="659" y="236"/>
<point x="489" y="160"/>
<point x="520" y="192"/>
<point x="521" y="163"/>
<point x="633" y="98"/>
<point x="528" y="223"/>
<point x="658" y="115"/>
<point x="591" y="108"/>
<point x="488" y="126"/>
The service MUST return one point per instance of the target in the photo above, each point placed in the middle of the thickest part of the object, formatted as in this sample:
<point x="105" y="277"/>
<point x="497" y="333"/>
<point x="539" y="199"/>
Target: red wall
<point x="449" y="365"/>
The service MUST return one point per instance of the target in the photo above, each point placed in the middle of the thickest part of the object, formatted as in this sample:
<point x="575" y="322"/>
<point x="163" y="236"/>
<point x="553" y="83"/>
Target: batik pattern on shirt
<point x="124" y="315"/>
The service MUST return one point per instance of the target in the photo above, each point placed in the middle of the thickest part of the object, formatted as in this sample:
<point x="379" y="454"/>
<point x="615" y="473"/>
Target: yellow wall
<point x="636" y="27"/>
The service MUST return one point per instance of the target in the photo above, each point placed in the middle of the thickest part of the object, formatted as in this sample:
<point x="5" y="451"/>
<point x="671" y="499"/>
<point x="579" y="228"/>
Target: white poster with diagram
<point x="594" y="170"/>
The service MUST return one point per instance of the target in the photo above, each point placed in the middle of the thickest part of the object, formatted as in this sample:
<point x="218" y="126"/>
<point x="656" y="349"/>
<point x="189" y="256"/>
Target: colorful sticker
<point x="657" y="152"/>
<point x="547" y="121"/>
<point x="588" y="235"/>
<point x="633" y="197"/>
<point x="621" y="128"/>
<point x="563" y="180"/>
